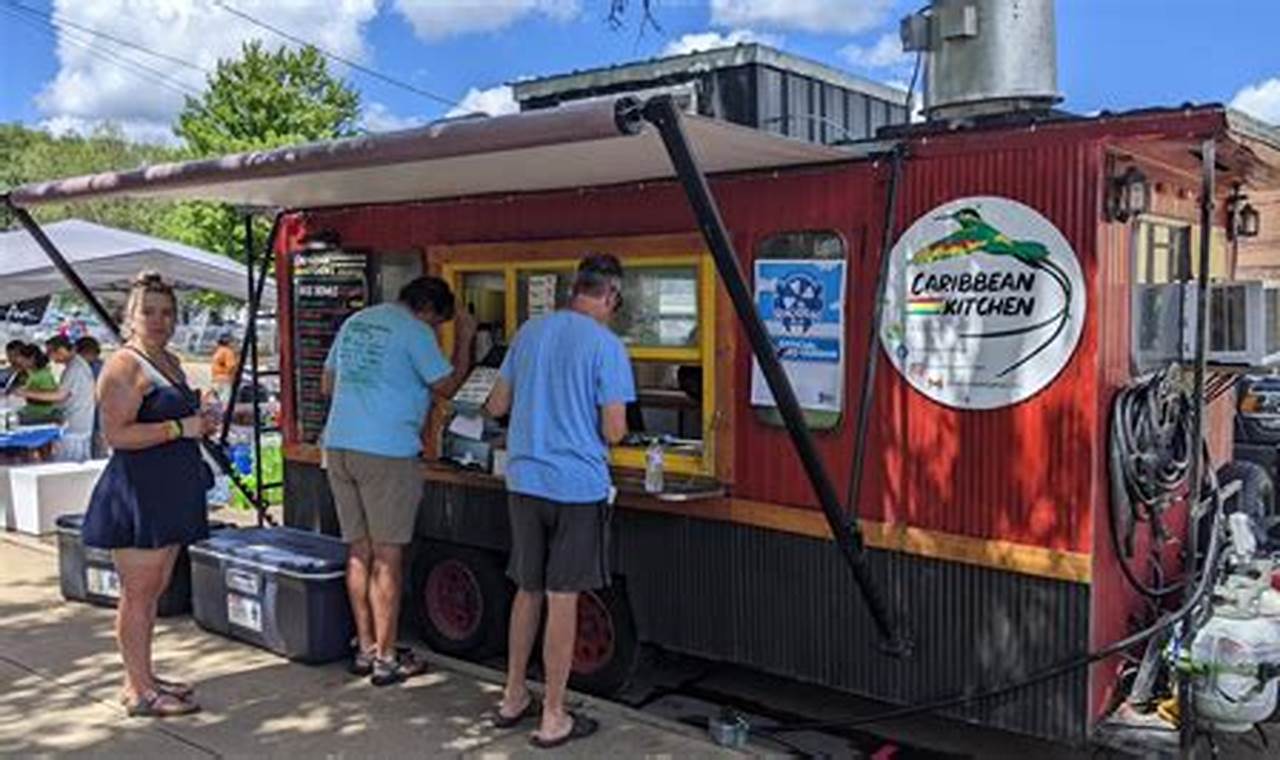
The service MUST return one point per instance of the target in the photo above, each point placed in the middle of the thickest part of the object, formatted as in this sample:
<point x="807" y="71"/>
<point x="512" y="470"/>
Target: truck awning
<point x="597" y="143"/>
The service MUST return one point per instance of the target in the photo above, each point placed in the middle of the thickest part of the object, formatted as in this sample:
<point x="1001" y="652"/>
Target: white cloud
<point x="830" y="16"/>
<point x="886" y="53"/>
<point x="1262" y="100"/>
<point x="376" y="117"/>
<point x="92" y="85"/>
<point x="494" y="101"/>
<point x="692" y="43"/>
<point x="436" y="19"/>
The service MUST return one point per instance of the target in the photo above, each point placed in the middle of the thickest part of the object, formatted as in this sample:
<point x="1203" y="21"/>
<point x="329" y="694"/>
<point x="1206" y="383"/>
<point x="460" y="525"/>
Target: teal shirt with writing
<point x="383" y="362"/>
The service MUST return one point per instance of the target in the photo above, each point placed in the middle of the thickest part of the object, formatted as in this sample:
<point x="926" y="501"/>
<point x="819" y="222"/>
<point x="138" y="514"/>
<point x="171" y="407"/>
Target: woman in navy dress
<point x="150" y="499"/>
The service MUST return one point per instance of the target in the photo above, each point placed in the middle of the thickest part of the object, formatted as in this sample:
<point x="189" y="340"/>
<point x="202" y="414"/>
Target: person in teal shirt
<point x="566" y="381"/>
<point x="380" y="373"/>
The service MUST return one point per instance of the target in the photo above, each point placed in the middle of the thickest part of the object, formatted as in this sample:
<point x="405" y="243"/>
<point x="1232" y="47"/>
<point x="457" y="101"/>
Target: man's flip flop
<point x="503" y="721"/>
<point x="582" y="728"/>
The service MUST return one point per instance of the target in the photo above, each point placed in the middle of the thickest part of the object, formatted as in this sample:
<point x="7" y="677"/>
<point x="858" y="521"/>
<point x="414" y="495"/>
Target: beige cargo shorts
<point x="376" y="497"/>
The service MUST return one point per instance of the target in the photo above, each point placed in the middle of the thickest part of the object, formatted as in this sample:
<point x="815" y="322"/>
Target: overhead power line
<point x="334" y="56"/>
<point x="141" y="70"/>
<point x="57" y="20"/>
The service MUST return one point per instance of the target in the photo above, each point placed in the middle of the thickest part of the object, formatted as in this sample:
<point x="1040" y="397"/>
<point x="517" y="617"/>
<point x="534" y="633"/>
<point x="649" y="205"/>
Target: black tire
<point x="1256" y="497"/>
<point x="469" y="619"/>
<point x="607" y="674"/>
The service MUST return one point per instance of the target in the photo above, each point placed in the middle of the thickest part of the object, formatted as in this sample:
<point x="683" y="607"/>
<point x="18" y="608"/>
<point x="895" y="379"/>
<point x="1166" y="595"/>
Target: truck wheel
<point x="463" y="600"/>
<point x="606" y="650"/>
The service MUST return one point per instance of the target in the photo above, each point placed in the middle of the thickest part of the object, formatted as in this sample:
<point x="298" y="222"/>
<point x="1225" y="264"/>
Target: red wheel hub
<point x="454" y="602"/>
<point x="595" y="642"/>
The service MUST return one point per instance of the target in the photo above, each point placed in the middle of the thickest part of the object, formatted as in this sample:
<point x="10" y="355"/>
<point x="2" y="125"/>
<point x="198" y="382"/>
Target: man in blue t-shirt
<point x="566" y="381"/>
<point x="380" y="372"/>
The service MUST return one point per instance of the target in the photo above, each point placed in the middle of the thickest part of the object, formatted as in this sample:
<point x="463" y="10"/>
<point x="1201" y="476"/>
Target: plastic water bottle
<point x="653" y="476"/>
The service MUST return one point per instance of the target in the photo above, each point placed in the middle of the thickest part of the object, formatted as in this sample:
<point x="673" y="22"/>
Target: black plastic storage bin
<point x="87" y="574"/>
<point x="280" y="588"/>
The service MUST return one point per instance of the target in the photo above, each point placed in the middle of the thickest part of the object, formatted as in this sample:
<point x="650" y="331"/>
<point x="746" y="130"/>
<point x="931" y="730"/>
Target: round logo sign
<point x="984" y="305"/>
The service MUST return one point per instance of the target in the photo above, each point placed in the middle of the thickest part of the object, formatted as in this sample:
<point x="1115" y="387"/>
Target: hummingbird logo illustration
<point x="976" y="235"/>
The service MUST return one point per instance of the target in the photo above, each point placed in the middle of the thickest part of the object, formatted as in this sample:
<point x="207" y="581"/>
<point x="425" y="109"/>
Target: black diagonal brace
<point x="662" y="113"/>
<point x="215" y="452"/>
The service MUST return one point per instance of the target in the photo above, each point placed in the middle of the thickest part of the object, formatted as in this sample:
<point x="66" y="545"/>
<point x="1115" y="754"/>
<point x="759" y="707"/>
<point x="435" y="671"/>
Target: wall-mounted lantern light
<point x="1129" y="195"/>
<point x="1243" y="220"/>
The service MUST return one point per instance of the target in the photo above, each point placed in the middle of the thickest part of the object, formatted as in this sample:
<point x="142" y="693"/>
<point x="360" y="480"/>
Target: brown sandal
<point x="183" y="691"/>
<point x="158" y="704"/>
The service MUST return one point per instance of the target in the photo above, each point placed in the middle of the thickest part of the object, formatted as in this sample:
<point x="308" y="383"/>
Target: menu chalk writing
<point x="328" y="287"/>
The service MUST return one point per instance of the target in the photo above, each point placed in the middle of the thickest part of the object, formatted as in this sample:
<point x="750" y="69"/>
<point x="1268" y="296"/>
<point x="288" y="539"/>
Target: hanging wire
<point x="387" y="78"/>
<point x="155" y="76"/>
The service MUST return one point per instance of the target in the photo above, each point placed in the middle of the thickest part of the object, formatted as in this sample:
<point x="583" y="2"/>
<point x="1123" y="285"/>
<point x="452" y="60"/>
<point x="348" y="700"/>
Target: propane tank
<point x="1234" y="658"/>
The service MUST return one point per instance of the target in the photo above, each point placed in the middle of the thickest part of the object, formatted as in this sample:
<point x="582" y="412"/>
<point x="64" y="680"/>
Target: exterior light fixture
<point x="1243" y="220"/>
<point x="1129" y="195"/>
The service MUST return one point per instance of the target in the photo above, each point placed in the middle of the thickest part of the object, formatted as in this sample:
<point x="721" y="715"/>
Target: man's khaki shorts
<point x="376" y="497"/>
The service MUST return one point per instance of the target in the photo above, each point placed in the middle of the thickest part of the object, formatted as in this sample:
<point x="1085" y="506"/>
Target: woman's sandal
<point x="158" y="704"/>
<point x="183" y="691"/>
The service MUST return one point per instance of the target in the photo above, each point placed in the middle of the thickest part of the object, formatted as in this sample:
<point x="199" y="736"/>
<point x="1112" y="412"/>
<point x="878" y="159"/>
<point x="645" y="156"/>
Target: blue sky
<point x="1113" y="54"/>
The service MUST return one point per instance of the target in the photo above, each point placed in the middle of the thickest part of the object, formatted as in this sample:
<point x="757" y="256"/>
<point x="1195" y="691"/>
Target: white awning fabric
<point x="107" y="259"/>
<point x="571" y="146"/>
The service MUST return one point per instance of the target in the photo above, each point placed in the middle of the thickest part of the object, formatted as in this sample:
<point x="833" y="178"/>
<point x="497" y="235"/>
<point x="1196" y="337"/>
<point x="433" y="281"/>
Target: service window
<point x="666" y="321"/>
<point x="776" y="252"/>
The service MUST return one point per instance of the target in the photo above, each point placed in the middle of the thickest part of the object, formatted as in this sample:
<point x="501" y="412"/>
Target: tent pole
<point x="60" y="263"/>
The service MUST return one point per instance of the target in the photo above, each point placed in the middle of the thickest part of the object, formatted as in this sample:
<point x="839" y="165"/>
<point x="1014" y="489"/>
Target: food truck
<point x="955" y="306"/>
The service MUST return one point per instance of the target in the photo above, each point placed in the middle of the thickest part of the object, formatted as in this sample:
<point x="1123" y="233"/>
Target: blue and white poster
<point x="802" y="304"/>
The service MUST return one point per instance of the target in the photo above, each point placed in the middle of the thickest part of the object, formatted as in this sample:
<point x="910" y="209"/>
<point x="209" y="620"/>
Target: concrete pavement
<point x="60" y="675"/>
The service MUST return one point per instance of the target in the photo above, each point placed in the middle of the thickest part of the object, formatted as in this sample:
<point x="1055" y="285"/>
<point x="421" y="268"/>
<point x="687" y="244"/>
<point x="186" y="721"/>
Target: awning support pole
<point x="254" y="292"/>
<point x="60" y="263"/>
<point x="216" y="453"/>
<point x="1199" y="457"/>
<point x="662" y="113"/>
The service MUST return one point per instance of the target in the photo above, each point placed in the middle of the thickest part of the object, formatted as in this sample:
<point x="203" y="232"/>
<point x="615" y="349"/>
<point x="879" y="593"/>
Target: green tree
<point x="258" y="101"/>
<point x="28" y="155"/>
<point x="268" y="99"/>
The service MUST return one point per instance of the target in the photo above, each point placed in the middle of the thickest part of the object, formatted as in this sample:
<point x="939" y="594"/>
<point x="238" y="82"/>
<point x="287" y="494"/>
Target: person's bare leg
<point x="141" y="573"/>
<point x="526" y="615"/>
<point x="385" y="596"/>
<point x="359" y="560"/>
<point x="557" y="661"/>
<point x="171" y="558"/>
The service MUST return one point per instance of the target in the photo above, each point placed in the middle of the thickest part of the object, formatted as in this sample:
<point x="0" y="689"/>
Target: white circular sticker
<point x="984" y="305"/>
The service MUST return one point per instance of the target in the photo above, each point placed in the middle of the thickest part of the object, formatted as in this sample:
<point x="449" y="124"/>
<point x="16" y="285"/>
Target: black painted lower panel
<point x="787" y="605"/>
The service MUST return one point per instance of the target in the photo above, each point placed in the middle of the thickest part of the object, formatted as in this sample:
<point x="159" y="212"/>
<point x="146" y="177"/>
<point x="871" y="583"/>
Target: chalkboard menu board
<point x="328" y="287"/>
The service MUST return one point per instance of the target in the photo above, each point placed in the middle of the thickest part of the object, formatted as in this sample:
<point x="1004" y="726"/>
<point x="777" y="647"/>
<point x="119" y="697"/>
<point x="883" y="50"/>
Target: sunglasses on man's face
<point x="617" y="299"/>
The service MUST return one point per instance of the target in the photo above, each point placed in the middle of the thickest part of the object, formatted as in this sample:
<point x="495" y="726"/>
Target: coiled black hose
<point x="1150" y="452"/>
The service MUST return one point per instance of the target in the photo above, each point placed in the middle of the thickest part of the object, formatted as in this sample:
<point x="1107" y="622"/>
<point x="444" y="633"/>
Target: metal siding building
<point x="752" y="85"/>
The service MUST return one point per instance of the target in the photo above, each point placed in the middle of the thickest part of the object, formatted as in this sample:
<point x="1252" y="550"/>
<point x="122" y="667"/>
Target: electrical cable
<point x="1149" y="455"/>
<point x="57" y="20"/>
<point x="334" y="56"/>
<point x="141" y="70"/>
<point x="1050" y="673"/>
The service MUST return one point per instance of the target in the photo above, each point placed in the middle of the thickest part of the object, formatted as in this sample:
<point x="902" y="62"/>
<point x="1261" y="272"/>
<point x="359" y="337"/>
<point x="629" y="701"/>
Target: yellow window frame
<point x="703" y="354"/>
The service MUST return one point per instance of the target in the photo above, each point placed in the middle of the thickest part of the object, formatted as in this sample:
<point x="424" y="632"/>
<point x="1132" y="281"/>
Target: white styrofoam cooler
<point x="40" y="493"/>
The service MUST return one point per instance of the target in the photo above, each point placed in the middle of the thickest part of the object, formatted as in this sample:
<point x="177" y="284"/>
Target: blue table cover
<point x="30" y="437"/>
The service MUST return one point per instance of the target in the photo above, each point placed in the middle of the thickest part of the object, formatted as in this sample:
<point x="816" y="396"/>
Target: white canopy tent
<point x="107" y="259"/>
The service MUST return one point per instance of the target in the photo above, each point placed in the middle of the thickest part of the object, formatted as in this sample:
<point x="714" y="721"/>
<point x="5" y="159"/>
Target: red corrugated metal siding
<point x="1023" y="473"/>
